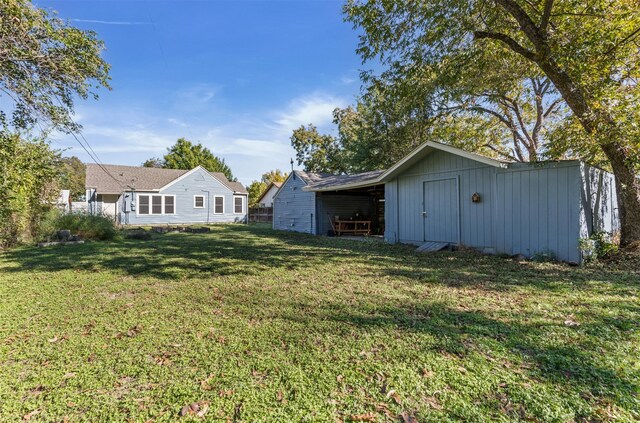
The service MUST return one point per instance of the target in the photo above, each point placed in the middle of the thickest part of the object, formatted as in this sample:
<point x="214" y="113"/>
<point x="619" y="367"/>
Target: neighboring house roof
<point x="126" y="178"/>
<point x="271" y="185"/>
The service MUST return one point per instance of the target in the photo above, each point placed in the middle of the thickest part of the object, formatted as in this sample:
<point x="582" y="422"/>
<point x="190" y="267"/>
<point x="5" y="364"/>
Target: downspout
<point x="208" y="204"/>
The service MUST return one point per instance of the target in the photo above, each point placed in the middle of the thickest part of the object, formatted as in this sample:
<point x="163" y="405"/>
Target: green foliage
<point x="87" y="226"/>
<point x="274" y="176"/>
<point x="28" y="186"/>
<point x="186" y="155"/>
<point x="44" y="65"/>
<point x="72" y="176"/>
<point x="600" y="245"/>
<point x="262" y="325"/>
<point x="444" y="53"/>
<point x="153" y="162"/>
<point x="317" y="152"/>
<point x="255" y="189"/>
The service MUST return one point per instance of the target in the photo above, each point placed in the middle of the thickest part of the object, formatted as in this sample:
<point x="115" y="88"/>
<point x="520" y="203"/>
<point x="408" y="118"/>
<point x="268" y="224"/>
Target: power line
<point x="93" y="156"/>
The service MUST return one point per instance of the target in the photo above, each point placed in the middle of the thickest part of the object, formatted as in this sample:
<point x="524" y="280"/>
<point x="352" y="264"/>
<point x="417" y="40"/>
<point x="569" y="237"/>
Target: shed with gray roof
<point x="439" y="195"/>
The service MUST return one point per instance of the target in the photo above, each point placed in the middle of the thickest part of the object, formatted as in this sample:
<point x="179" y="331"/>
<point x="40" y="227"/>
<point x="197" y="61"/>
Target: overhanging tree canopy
<point x="589" y="51"/>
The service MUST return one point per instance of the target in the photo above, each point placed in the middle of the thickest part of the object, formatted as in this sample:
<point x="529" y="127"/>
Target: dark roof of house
<point x="141" y="178"/>
<point x="328" y="182"/>
<point x="310" y="177"/>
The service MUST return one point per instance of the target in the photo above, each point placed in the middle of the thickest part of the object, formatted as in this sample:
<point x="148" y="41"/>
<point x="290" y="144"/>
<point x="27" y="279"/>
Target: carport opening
<point x="352" y="212"/>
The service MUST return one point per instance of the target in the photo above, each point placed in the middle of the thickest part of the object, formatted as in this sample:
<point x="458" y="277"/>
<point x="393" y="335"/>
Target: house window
<point x="143" y="204"/>
<point x="198" y="201"/>
<point x="156" y="204"/>
<point x="218" y="205"/>
<point x="238" y="207"/>
<point x="169" y="204"/>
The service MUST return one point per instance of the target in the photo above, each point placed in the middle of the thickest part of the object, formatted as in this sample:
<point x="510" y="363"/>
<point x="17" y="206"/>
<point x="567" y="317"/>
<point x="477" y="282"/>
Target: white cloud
<point x="316" y="109"/>
<point x="251" y="143"/>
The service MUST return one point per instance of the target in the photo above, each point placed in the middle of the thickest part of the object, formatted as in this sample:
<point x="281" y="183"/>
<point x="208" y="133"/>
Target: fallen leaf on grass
<point x="427" y="373"/>
<point x="28" y="416"/>
<point x="205" y="385"/>
<point x="570" y="321"/>
<point x="195" y="409"/>
<point x="281" y="398"/>
<point x="69" y="375"/>
<point x="393" y="394"/>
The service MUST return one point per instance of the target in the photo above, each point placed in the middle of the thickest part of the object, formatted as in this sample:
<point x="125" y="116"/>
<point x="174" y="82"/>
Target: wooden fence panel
<point x="261" y="214"/>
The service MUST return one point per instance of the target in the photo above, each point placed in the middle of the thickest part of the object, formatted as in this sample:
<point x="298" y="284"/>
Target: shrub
<point x="87" y="226"/>
<point x="599" y="245"/>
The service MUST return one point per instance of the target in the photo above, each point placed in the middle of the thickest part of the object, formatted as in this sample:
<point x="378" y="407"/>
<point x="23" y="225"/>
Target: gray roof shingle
<point x="325" y="181"/>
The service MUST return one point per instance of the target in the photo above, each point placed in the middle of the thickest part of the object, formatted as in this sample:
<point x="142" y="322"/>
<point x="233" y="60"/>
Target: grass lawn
<point x="257" y="325"/>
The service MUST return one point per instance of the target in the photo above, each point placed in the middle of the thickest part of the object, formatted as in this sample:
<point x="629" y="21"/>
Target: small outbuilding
<point x="439" y="195"/>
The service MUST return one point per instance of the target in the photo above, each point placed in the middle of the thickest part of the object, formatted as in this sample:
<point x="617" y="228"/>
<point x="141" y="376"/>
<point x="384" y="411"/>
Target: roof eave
<point x="417" y="154"/>
<point x="343" y="187"/>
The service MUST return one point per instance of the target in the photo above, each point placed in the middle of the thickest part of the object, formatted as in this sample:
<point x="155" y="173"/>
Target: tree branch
<point x="510" y="42"/>
<point x="502" y="153"/>
<point x="546" y="15"/>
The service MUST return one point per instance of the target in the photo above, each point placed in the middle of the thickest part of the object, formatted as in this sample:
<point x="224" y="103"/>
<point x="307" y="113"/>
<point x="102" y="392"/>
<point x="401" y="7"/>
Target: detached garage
<point x="443" y="194"/>
<point x="440" y="196"/>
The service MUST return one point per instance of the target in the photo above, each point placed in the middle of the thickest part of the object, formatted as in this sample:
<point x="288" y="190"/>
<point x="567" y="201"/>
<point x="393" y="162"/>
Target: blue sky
<point x="237" y="76"/>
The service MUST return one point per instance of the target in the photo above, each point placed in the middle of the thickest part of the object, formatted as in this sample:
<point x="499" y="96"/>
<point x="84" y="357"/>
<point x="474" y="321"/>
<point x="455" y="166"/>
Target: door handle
<point x="424" y="214"/>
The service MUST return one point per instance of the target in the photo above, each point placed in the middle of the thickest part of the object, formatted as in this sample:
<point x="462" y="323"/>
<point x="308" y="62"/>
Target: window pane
<point x="168" y="204"/>
<point x="199" y="201"/>
<point x="219" y="208"/>
<point x="156" y="204"/>
<point x="143" y="204"/>
<point x="238" y="204"/>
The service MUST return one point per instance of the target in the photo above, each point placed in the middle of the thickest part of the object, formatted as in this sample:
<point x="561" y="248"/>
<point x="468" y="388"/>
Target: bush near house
<point x="87" y="226"/>
<point x="248" y="324"/>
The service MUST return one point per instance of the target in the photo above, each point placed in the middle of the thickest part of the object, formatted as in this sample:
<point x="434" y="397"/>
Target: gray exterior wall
<point x="197" y="183"/>
<point x="598" y="202"/>
<point x="331" y="205"/>
<point x="538" y="210"/>
<point x="524" y="209"/>
<point x="293" y="208"/>
<point x="404" y="199"/>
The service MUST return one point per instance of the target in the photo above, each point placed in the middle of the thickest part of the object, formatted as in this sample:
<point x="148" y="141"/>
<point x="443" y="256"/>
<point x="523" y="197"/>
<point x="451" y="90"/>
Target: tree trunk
<point x="628" y="193"/>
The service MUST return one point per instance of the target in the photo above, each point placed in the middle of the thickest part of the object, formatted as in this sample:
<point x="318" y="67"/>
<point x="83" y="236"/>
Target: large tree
<point x="44" y="65"/>
<point x="186" y="155"/>
<point x="72" y="175"/>
<point x="588" y="50"/>
<point x="317" y="152"/>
